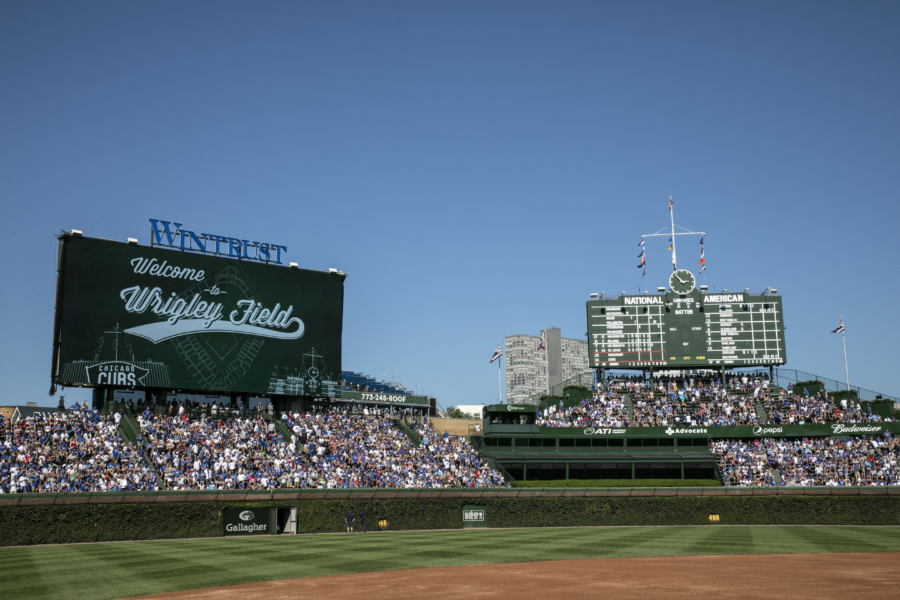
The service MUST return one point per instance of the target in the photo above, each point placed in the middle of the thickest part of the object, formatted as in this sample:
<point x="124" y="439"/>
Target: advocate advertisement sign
<point x="247" y="521"/>
<point x="132" y="316"/>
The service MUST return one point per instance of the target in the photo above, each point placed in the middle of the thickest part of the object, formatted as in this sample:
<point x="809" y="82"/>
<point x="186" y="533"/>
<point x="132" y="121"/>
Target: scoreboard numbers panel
<point x="690" y="330"/>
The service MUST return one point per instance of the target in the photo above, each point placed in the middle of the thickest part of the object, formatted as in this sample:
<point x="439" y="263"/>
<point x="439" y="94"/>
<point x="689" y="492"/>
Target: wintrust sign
<point x="171" y="235"/>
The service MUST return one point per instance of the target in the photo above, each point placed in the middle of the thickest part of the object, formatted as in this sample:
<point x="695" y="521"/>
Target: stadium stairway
<point x="130" y="431"/>
<point x="409" y="432"/>
<point x="630" y="406"/>
<point x="776" y="475"/>
<point x="282" y="428"/>
<point x="761" y="413"/>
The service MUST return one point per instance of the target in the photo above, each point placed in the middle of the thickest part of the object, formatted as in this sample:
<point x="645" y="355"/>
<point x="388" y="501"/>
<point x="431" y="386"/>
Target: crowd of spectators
<point x="810" y="461"/>
<point x="697" y="406"/>
<point x="326" y="449"/>
<point x="796" y="409"/>
<point x="457" y="457"/>
<point x="604" y="409"/>
<point x="79" y="450"/>
<point x="221" y="452"/>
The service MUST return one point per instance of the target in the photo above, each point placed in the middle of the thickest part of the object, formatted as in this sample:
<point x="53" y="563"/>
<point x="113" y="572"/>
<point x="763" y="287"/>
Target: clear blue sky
<point x="477" y="168"/>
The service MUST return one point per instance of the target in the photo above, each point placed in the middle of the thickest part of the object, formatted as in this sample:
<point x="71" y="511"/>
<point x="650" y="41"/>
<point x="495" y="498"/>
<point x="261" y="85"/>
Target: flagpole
<point x="846" y="368"/>
<point x="499" y="377"/>
<point x="672" y="216"/>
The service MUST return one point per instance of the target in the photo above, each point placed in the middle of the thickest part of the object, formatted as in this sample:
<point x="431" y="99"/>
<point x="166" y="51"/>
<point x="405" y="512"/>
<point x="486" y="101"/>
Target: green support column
<point x="682" y="470"/>
<point x="632" y="470"/>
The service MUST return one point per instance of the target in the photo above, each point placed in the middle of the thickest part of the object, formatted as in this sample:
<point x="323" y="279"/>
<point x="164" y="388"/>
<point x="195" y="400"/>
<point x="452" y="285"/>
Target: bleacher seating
<point x="353" y="381"/>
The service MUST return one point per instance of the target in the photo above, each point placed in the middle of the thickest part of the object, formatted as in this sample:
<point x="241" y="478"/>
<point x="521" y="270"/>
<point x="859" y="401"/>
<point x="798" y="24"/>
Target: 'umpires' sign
<point x="247" y="521"/>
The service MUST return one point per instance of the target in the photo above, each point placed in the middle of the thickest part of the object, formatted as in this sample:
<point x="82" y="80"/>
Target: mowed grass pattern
<point x="122" y="569"/>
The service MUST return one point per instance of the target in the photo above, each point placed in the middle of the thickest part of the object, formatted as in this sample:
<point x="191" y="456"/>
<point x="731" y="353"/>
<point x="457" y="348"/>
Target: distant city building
<point x="531" y="372"/>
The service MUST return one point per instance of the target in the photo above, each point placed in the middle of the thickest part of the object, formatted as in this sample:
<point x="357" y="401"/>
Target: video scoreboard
<point x="695" y="329"/>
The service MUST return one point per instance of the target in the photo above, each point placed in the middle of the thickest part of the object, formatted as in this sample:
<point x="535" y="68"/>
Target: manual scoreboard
<point x="685" y="327"/>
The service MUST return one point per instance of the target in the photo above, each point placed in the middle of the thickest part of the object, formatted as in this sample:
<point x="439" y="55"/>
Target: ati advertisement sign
<point x="473" y="516"/>
<point x="246" y="521"/>
<point x="131" y="316"/>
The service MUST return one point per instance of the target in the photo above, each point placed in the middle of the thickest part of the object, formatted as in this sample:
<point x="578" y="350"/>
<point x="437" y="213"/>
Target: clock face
<point x="313" y="372"/>
<point x="681" y="281"/>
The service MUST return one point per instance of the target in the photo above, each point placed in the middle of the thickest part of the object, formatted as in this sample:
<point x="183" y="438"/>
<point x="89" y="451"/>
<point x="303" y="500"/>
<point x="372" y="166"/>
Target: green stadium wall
<point x="50" y="519"/>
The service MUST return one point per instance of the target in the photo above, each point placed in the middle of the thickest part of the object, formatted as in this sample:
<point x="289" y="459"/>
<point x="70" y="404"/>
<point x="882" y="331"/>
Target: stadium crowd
<point x="809" y="461"/>
<point x="602" y="410"/>
<point x="326" y="449"/>
<point x="795" y="409"/>
<point x="75" y="451"/>
<point x="696" y="406"/>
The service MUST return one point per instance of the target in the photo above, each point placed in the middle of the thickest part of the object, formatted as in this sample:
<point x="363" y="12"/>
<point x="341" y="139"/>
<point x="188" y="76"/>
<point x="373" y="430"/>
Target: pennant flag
<point x="702" y="261"/>
<point x="643" y="262"/>
<point x="645" y="271"/>
<point x="670" y="203"/>
<point x="541" y="344"/>
<point x="672" y="247"/>
<point x="840" y="328"/>
<point x="642" y="253"/>
<point x="670" y="239"/>
<point x="701" y="240"/>
<point x="497" y="354"/>
<point x="642" y="242"/>
<point x="703" y="268"/>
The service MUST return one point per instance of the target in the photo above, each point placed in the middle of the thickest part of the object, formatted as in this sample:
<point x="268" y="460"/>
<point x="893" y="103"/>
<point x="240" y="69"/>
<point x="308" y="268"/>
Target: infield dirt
<point x="794" y="576"/>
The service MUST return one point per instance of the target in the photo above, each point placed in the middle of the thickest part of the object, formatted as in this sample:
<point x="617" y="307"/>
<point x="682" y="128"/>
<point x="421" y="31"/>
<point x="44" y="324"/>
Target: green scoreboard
<point x="686" y="328"/>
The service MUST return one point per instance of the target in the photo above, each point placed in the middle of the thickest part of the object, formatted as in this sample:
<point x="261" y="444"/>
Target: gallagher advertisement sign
<point x="132" y="316"/>
<point x="247" y="521"/>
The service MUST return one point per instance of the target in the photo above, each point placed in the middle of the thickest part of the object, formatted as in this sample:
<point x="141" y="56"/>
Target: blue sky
<point x="477" y="168"/>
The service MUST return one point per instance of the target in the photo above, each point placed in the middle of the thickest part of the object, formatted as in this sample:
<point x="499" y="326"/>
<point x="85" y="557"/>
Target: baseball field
<point x="633" y="562"/>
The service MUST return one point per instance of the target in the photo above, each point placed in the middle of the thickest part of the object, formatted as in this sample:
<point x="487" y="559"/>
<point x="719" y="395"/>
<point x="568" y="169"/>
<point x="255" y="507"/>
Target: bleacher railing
<point x="783" y="377"/>
<point x="582" y="379"/>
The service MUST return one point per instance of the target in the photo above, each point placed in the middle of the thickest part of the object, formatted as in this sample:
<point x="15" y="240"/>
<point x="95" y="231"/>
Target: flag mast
<point x="672" y="216"/>
<point x="499" y="375"/>
<point x="846" y="368"/>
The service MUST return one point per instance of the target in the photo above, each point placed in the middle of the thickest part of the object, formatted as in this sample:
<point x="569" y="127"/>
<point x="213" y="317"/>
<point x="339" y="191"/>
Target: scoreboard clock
<point x="682" y="282"/>
<point x="686" y="327"/>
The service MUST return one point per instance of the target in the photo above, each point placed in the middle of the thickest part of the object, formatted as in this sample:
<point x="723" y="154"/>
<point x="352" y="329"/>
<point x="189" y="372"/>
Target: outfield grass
<point x="122" y="569"/>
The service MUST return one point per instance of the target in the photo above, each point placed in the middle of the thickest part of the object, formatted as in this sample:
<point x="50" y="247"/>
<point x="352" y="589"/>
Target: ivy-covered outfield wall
<point x="133" y="517"/>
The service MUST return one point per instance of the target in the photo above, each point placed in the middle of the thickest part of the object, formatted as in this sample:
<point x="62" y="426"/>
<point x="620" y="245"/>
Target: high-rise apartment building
<point x="531" y="372"/>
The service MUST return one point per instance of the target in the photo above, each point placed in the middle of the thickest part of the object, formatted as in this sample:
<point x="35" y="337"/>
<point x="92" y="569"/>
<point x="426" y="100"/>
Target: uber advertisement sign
<point x="247" y="521"/>
<point x="135" y="316"/>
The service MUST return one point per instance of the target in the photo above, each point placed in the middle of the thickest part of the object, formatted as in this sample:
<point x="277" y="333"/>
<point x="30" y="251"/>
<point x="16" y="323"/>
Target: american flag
<point x="840" y="328"/>
<point x="497" y="354"/>
<point x="670" y="203"/>
<point x="541" y="344"/>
